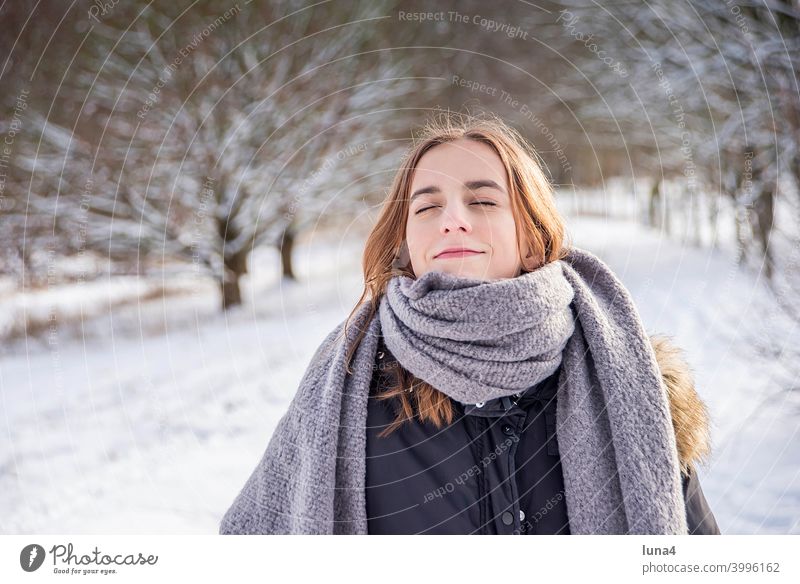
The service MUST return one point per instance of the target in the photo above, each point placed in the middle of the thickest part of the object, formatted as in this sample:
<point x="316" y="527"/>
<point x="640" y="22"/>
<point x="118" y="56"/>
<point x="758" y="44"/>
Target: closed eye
<point x="490" y="203"/>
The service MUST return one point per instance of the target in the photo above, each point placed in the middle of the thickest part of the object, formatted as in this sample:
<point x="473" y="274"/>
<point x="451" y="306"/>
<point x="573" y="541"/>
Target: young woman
<point x="491" y="379"/>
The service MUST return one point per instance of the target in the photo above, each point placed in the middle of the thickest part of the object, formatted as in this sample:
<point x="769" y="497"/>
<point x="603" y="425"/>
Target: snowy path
<point x="158" y="435"/>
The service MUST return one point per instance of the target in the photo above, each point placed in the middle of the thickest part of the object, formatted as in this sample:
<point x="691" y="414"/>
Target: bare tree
<point x="704" y="80"/>
<point x="201" y="135"/>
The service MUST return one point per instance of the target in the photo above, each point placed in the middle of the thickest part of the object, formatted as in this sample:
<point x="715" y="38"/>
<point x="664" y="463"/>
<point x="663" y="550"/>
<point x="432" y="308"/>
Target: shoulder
<point x="329" y="342"/>
<point x="689" y="412"/>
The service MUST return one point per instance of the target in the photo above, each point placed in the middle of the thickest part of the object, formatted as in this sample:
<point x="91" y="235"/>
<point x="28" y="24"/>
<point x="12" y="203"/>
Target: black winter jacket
<point x="495" y="470"/>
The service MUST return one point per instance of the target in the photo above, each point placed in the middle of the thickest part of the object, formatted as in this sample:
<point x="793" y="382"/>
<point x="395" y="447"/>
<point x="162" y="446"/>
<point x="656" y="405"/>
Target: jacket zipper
<point x="484" y="513"/>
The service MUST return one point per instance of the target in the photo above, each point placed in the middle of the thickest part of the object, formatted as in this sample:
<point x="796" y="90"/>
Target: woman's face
<point x="460" y="199"/>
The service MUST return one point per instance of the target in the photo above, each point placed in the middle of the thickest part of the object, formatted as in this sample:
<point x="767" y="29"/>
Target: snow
<point x="156" y="433"/>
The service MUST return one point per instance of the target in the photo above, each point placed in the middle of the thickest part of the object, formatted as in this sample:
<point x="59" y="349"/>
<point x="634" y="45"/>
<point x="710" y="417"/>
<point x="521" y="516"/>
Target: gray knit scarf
<point x="477" y="340"/>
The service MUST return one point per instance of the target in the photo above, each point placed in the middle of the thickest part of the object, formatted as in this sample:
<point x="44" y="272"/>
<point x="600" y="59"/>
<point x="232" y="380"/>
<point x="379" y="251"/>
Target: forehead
<point x="458" y="162"/>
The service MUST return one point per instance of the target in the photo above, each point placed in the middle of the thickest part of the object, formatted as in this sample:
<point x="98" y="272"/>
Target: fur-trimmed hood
<point x="689" y="412"/>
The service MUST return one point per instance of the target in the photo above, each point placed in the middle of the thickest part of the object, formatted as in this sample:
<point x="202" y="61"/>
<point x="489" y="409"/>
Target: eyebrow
<point x="469" y="185"/>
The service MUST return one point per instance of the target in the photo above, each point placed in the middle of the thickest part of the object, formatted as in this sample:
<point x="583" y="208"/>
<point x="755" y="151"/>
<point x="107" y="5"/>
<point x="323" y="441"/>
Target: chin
<point x="467" y="272"/>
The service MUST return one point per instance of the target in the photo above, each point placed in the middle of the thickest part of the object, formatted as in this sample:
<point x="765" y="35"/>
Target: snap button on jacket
<point x="495" y="470"/>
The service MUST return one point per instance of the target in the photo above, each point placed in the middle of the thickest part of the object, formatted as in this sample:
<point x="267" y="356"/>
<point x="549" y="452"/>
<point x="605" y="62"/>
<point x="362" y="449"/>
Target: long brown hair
<point x="540" y="231"/>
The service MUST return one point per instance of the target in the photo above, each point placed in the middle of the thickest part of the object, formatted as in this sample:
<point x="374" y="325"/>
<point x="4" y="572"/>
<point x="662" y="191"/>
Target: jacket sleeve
<point x="699" y="517"/>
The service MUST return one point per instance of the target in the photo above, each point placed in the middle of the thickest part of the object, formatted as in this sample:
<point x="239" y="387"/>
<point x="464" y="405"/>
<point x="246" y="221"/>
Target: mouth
<point x="456" y="253"/>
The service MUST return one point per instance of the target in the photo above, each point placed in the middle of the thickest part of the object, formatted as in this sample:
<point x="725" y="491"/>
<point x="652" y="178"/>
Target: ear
<point x="402" y="258"/>
<point x="529" y="263"/>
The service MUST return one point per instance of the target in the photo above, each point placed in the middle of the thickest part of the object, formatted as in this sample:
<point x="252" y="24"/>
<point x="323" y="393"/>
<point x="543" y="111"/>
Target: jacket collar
<point x="517" y="403"/>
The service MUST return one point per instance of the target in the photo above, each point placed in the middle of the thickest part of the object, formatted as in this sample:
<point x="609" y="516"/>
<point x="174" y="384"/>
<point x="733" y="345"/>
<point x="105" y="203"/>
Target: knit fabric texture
<point x="477" y="340"/>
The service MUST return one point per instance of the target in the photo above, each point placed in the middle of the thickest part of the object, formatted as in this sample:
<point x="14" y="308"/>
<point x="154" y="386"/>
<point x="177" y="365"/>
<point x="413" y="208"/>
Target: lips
<point x="453" y="252"/>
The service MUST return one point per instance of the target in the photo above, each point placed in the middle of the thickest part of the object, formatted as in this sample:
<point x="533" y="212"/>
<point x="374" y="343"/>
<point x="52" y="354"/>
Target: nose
<point x="455" y="218"/>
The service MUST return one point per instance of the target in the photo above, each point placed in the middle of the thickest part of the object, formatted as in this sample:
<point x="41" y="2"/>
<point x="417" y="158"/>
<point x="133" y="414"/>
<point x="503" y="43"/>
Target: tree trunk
<point x="697" y="211"/>
<point x="654" y="209"/>
<point x="742" y="229"/>
<point x="234" y="267"/>
<point x="286" y="248"/>
<point x="765" y="212"/>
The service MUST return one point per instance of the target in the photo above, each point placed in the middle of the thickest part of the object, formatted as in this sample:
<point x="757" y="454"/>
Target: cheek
<point x="502" y="230"/>
<point x="504" y="235"/>
<point x="415" y="239"/>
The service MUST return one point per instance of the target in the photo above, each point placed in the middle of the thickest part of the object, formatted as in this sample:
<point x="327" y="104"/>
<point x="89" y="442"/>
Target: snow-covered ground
<point x="157" y="433"/>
